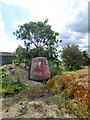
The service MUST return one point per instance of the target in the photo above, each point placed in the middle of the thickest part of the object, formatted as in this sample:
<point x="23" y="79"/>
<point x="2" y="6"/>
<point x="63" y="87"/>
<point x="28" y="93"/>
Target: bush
<point x="54" y="70"/>
<point x="72" y="57"/>
<point x="15" y="61"/>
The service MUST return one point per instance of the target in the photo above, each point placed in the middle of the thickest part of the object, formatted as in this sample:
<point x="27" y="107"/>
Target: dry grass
<point x="75" y="84"/>
<point x="75" y="87"/>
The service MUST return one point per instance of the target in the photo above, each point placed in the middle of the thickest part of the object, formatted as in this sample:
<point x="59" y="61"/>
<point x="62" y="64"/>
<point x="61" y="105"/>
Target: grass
<point x="84" y="67"/>
<point x="20" y="103"/>
<point x="7" y="104"/>
<point x="22" y="112"/>
<point x="44" y="82"/>
<point x="32" y="105"/>
<point x="62" y="73"/>
<point x="71" y="106"/>
<point x="67" y="93"/>
<point x="12" y="90"/>
<point x="8" y="86"/>
<point x="59" y="102"/>
<point x="65" y="72"/>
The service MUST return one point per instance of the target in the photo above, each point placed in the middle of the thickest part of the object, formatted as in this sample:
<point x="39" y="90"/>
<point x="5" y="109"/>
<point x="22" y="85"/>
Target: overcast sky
<point x="68" y="17"/>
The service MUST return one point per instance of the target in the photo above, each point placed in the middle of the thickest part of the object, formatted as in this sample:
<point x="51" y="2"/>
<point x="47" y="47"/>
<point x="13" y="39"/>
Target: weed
<point x="22" y="112"/>
<point x="17" y="88"/>
<point x="59" y="102"/>
<point x="57" y="111"/>
<point x="32" y="105"/>
<point x="49" y="90"/>
<point x="6" y="104"/>
<point x="44" y="82"/>
<point x="2" y="73"/>
<point x="20" y="103"/>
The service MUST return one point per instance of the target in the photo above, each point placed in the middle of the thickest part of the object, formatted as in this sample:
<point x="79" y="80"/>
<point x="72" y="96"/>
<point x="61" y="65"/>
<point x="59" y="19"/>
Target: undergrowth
<point x="10" y="85"/>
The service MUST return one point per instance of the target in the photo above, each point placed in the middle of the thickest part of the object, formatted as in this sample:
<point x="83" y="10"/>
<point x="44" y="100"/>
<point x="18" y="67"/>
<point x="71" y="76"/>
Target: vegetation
<point x="42" y="37"/>
<point x="86" y="59"/>
<point x="59" y="102"/>
<point x="38" y="34"/>
<point x="74" y="58"/>
<point x="71" y="106"/>
<point x="10" y="85"/>
<point x="73" y="91"/>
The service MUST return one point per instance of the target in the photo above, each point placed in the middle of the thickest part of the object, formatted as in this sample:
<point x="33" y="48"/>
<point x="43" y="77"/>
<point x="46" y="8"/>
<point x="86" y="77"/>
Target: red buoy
<point x="40" y="69"/>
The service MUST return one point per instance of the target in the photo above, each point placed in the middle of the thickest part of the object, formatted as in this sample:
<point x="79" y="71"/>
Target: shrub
<point x="72" y="57"/>
<point x="54" y="70"/>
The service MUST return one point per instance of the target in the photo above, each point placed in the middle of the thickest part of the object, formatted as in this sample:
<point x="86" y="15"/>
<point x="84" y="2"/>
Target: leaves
<point x="37" y="33"/>
<point x="72" y="57"/>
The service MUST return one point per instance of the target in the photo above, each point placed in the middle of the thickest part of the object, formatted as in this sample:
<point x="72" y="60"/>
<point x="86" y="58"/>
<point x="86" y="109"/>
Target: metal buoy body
<point x="40" y="69"/>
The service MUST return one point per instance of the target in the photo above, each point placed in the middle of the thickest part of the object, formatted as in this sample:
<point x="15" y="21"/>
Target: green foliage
<point x="59" y="102"/>
<point x="16" y="61"/>
<point x="38" y="34"/>
<point x="72" y="57"/>
<point x="2" y="73"/>
<point x="41" y="36"/>
<point x="17" y="88"/>
<point x="66" y="72"/>
<point x="54" y="69"/>
<point x="7" y="80"/>
<point x="6" y="104"/>
<point x="44" y="82"/>
<point x="86" y="58"/>
<point x="22" y="112"/>
<point x="10" y="86"/>
<point x="20" y="103"/>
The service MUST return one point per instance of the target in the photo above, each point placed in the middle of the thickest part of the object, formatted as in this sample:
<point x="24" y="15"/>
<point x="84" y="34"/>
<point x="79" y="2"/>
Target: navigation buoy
<point x="40" y="69"/>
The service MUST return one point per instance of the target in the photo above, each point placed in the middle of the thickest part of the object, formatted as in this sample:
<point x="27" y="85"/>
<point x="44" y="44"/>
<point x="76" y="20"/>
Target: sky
<point x="68" y="17"/>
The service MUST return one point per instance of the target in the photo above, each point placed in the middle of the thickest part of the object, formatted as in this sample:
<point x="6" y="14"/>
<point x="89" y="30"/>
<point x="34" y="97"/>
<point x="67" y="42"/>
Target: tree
<point x="38" y="34"/>
<point x="85" y="57"/>
<point x="72" y="57"/>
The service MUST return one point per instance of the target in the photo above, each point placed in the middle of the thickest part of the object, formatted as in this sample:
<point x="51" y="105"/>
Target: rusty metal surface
<point x="40" y="69"/>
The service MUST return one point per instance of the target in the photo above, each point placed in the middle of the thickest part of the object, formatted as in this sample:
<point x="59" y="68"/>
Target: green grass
<point x="12" y="89"/>
<point x="7" y="104"/>
<point x="20" y="103"/>
<point x="70" y="71"/>
<point x="84" y="67"/>
<point x="66" y="72"/>
<point x="8" y="86"/>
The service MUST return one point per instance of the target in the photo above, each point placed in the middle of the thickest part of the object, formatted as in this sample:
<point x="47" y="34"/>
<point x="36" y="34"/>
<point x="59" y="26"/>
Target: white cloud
<point x="42" y="9"/>
<point x="5" y="45"/>
<point x="60" y="13"/>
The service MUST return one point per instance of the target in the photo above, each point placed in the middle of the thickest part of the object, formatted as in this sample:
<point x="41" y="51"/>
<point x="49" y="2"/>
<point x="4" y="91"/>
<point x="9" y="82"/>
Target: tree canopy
<point x="86" y="58"/>
<point x="38" y="34"/>
<point x="72" y="57"/>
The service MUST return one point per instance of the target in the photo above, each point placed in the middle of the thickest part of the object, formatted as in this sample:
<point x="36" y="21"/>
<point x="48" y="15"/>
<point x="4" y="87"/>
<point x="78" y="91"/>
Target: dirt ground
<point x="34" y="102"/>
